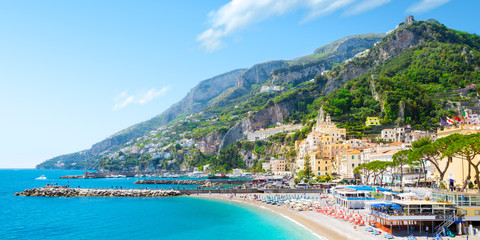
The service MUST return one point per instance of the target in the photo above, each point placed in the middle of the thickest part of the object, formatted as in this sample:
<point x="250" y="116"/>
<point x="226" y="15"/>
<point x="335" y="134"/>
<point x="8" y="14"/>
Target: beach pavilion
<point x="410" y="217"/>
<point x="354" y="197"/>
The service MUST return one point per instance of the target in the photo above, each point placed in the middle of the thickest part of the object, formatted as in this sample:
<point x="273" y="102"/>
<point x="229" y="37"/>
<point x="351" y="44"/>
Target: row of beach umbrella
<point x="341" y="214"/>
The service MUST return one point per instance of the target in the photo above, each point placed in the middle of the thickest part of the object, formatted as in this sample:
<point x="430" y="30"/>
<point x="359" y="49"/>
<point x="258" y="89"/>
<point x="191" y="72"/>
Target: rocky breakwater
<point x="83" y="192"/>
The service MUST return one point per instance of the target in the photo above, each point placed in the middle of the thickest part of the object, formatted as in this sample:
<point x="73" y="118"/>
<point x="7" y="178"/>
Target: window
<point x="353" y="165"/>
<point x="318" y="168"/>
<point x="353" y="157"/>
<point x="477" y="212"/>
<point x="464" y="212"/>
<point x="326" y="168"/>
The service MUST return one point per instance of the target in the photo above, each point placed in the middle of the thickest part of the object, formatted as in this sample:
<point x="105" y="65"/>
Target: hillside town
<point x="326" y="149"/>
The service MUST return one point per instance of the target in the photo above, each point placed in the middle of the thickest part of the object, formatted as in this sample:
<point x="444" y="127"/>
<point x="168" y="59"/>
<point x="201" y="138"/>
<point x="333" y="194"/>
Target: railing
<point x="403" y="217"/>
<point x="447" y="223"/>
<point x="361" y="198"/>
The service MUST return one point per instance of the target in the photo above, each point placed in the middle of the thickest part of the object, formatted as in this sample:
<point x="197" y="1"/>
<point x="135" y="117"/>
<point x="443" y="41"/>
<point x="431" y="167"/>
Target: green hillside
<point x="422" y="81"/>
<point x="414" y="75"/>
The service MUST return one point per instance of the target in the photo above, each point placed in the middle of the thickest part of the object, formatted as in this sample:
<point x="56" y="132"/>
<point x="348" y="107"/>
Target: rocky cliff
<point x="259" y="73"/>
<point x="297" y="74"/>
<point x="261" y="119"/>
<point x="307" y="67"/>
<point x="348" y="47"/>
<point x="341" y="49"/>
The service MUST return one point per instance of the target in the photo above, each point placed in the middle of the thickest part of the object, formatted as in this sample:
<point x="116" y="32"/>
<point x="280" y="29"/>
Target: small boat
<point x="41" y="177"/>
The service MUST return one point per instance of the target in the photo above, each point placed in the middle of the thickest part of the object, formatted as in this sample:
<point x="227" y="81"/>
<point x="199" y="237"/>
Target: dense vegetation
<point x="415" y="86"/>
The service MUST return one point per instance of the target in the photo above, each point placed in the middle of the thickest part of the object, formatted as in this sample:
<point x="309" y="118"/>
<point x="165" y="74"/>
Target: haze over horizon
<point x="74" y="73"/>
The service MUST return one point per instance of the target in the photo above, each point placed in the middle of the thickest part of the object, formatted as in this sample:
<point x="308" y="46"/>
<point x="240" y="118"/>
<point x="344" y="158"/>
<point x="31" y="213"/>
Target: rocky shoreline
<point x="83" y="192"/>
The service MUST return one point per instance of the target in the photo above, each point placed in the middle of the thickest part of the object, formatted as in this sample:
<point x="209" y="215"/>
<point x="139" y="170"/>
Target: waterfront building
<point x="355" y="197"/>
<point x="400" y="216"/>
<point x="468" y="204"/>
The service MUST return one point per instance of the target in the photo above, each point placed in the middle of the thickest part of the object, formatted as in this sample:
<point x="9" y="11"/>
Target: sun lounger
<point x="388" y="236"/>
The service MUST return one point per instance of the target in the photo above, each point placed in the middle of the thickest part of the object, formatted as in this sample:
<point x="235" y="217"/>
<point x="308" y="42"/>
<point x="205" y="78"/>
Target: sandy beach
<point x="324" y="226"/>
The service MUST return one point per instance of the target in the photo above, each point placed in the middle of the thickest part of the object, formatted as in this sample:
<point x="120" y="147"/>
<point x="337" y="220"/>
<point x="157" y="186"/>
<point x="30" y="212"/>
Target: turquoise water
<point x="128" y="218"/>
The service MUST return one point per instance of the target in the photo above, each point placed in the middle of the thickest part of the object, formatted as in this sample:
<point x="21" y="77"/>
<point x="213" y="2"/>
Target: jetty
<point x="192" y="182"/>
<point x="62" y="191"/>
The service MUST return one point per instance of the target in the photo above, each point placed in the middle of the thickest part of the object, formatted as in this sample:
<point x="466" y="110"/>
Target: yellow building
<point x="458" y="169"/>
<point x="319" y="164"/>
<point x="372" y="121"/>
<point x="335" y="152"/>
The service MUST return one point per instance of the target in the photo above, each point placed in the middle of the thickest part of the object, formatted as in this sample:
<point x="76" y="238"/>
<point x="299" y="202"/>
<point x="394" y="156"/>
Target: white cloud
<point x="123" y="99"/>
<point x="320" y="8"/>
<point x="426" y="5"/>
<point x="239" y="14"/>
<point x="366" y="5"/>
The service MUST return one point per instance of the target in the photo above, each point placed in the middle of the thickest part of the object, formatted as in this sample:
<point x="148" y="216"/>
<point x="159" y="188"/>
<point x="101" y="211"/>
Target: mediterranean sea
<point x="128" y="218"/>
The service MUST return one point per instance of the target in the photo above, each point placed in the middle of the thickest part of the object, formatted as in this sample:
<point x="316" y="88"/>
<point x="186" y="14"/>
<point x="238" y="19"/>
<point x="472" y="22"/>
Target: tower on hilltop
<point x="409" y="20"/>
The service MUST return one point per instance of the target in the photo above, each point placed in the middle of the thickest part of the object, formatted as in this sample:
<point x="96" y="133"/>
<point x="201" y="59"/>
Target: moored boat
<point x="41" y="177"/>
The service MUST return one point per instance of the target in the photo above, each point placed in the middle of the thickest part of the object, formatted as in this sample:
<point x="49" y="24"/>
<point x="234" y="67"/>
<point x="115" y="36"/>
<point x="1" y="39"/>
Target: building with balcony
<point x="400" y="216"/>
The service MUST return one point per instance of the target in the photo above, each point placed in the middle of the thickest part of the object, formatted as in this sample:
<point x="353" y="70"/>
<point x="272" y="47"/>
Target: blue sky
<point x="74" y="72"/>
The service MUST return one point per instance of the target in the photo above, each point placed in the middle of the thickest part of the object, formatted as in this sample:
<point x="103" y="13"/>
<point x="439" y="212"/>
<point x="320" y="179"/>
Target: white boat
<point x="41" y="177"/>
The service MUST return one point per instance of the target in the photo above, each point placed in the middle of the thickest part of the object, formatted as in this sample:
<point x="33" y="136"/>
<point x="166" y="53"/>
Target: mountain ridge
<point x="246" y="81"/>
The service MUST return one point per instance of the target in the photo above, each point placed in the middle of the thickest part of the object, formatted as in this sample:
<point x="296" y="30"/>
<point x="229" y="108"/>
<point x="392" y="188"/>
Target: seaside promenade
<point x="323" y="225"/>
